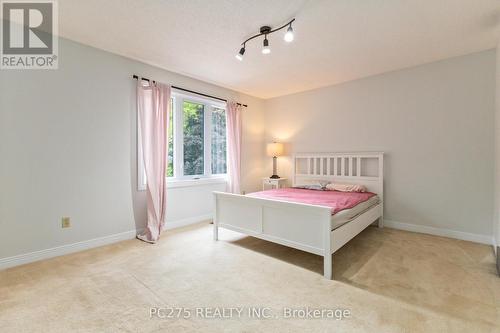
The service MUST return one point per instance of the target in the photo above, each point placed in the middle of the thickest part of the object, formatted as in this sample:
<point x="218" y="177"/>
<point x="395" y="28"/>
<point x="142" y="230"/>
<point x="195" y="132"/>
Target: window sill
<point x="177" y="183"/>
<point x="171" y="183"/>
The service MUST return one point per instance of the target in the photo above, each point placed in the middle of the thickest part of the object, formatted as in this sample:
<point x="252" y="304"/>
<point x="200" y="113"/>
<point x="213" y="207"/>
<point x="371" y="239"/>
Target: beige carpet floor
<point x="389" y="281"/>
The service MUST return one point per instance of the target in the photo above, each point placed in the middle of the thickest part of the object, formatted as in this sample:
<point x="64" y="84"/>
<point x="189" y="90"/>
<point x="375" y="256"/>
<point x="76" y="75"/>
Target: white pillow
<point x="346" y="187"/>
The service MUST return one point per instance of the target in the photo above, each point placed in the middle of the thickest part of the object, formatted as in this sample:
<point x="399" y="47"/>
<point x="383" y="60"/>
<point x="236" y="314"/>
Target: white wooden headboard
<point x="354" y="168"/>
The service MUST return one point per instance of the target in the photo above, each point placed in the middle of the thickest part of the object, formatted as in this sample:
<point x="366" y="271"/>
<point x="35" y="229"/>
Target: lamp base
<point x="275" y="177"/>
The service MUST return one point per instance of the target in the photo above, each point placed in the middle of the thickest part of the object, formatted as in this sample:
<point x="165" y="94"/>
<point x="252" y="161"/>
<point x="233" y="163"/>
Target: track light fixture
<point x="266" y="30"/>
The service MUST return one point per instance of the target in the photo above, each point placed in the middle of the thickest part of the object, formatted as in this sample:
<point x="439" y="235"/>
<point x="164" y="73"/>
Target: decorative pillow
<point x="311" y="187"/>
<point x="346" y="187"/>
<point x="320" y="186"/>
<point x="323" y="184"/>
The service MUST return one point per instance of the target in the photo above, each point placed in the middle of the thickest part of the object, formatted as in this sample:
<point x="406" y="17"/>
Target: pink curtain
<point x="234" y="146"/>
<point x="153" y="107"/>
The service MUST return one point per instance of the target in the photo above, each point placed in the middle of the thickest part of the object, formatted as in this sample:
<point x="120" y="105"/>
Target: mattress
<point x="335" y="200"/>
<point x="347" y="215"/>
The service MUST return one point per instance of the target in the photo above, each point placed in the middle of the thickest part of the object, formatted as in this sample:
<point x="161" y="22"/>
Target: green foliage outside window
<point x="193" y="138"/>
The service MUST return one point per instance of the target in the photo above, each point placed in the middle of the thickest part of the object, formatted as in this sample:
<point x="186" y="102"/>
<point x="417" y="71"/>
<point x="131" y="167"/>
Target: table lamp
<point x="275" y="149"/>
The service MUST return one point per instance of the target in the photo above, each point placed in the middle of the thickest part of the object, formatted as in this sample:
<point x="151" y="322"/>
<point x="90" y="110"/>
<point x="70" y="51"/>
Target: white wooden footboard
<point x="292" y="224"/>
<point x="301" y="226"/>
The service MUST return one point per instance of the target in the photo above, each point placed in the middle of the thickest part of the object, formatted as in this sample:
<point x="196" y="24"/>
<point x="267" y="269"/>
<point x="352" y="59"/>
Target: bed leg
<point x="327" y="244"/>
<point x="381" y="222"/>
<point x="327" y="269"/>
<point x="216" y="232"/>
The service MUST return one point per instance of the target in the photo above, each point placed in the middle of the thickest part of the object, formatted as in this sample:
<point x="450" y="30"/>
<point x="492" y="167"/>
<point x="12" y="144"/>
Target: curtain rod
<point x="191" y="91"/>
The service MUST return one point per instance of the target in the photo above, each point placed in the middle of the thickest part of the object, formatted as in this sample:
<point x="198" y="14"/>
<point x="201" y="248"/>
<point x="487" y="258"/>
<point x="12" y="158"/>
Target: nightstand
<point x="273" y="182"/>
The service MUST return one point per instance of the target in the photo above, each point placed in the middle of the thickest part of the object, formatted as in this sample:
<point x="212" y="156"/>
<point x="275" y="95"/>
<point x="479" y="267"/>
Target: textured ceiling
<point x="335" y="40"/>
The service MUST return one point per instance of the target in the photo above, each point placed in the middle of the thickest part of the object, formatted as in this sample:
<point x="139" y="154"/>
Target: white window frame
<point x="179" y="180"/>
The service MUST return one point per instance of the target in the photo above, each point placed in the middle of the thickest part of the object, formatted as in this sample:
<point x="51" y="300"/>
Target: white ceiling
<point x="335" y="40"/>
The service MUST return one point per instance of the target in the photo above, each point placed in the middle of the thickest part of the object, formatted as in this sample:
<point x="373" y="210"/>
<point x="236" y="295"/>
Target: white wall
<point x="435" y="124"/>
<point x="68" y="148"/>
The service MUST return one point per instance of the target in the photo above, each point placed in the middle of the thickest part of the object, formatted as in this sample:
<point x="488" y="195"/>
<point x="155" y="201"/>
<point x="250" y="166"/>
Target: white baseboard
<point x="96" y="242"/>
<point x="64" y="249"/>
<point x="483" y="239"/>
<point x="188" y="221"/>
<point x="89" y="244"/>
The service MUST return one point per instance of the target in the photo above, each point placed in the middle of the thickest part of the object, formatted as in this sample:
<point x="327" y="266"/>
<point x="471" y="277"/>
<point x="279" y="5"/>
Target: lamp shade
<point x="275" y="149"/>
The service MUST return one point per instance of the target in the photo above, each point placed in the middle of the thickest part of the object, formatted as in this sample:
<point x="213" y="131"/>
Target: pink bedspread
<point x="337" y="201"/>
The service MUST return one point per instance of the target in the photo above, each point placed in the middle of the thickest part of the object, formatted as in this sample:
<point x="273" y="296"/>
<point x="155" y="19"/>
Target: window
<point x="199" y="139"/>
<point x="196" y="139"/>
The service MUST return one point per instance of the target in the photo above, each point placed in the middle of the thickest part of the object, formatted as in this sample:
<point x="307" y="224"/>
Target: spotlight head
<point x="289" y="34"/>
<point x="239" y="56"/>
<point x="266" y="49"/>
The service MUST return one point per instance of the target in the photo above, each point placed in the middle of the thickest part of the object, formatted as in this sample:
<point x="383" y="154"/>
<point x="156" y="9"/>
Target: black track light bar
<point x="268" y="31"/>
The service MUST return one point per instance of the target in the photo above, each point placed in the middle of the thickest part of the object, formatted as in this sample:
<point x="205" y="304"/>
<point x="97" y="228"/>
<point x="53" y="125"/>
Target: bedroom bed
<point x="309" y="220"/>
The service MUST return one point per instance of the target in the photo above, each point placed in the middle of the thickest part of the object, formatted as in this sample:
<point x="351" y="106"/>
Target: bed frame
<point x="303" y="226"/>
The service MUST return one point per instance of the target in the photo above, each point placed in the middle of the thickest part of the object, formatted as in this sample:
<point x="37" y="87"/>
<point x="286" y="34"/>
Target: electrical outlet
<point x="65" y="222"/>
